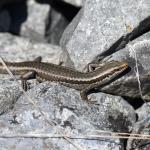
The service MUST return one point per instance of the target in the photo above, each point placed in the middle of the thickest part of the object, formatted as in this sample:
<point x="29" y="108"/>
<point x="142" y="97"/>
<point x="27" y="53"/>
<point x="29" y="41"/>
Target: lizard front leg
<point x="25" y="77"/>
<point x="29" y="75"/>
<point x="95" y="65"/>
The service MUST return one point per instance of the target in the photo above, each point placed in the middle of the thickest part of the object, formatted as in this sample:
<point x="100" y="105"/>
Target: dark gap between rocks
<point x="60" y="15"/>
<point x="55" y="25"/>
<point x="135" y="102"/>
<point x="67" y="10"/>
<point x="18" y="13"/>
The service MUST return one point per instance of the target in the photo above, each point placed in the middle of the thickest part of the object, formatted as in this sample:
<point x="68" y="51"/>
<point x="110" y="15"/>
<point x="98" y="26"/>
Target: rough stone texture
<point x="9" y="93"/>
<point x="93" y="31"/>
<point x="4" y="20"/>
<point x="34" y="27"/>
<point x="143" y="112"/>
<point x="103" y="27"/>
<point x="142" y="126"/>
<point x="99" y="25"/>
<point x="137" y="54"/>
<point x="64" y="108"/>
<point x="13" y="48"/>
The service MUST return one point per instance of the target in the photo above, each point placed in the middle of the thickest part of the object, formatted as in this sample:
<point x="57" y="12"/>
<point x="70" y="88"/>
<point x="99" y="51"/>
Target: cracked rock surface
<point x="74" y="33"/>
<point x="142" y="127"/>
<point x="63" y="107"/>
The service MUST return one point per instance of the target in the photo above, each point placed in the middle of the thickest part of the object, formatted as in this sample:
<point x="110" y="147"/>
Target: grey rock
<point x="63" y="107"/>
<point x="135" y="84"/>
<point x="9" y="93"/>
<point x="143" y="112"/>
<point x="35" y="25"/>
<point x="103" y="27"/>
<point x="5" y="20"/>
<point x="142" y="128"/>
<point x="13" y="48"/>
<point x="100" y="24"/>
<point x="29" y="144"/>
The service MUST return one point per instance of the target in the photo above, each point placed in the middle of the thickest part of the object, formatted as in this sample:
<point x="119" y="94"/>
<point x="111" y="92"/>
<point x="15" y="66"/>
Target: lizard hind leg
<point x="83" y="95"/>
<point x="87" y="90"/>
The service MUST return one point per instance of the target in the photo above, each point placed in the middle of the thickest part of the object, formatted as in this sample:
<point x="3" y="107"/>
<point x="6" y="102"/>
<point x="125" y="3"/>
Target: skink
<point x="84" y="82"/>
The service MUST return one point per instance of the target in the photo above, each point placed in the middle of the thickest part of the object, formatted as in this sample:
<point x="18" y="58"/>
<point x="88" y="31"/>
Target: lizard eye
<point x="117" y="69"/>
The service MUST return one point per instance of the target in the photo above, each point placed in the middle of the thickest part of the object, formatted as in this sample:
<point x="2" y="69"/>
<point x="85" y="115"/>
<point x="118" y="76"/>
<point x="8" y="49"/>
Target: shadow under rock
<point x="67" y="10"/>
<point x="18" y="13"/>
<point x="60" y="15"/>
